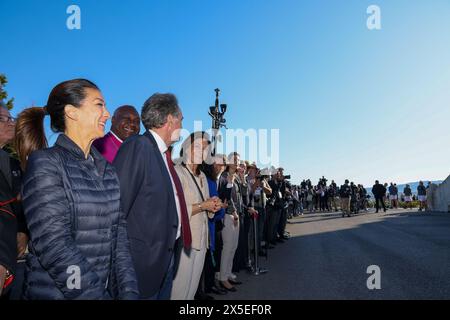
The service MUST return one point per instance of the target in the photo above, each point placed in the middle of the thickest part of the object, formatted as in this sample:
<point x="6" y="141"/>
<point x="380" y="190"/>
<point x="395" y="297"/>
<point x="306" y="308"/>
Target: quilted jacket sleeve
<point x="125" y="273"/>
<point x="48" y="211"/>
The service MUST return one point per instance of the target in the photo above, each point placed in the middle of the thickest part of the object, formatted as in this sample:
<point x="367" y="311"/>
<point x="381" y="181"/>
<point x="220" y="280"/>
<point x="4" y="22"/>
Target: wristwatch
<point x="200" y="207"/>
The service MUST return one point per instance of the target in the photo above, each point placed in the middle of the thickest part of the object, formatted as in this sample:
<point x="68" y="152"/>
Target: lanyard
<point x="195" y="181"/>
<point x="3" y="204"/>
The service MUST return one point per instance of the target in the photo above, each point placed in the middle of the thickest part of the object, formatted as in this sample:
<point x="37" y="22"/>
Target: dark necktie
<point x="185" y="227"/>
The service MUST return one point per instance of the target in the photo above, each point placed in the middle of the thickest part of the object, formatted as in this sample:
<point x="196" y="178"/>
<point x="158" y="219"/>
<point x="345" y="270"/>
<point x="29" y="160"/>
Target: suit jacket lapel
<point x="161" y="163"/>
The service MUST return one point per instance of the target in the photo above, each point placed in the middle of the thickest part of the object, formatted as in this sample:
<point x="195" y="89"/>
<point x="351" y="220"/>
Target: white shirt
<point x="163" y="148"/>
<point x="116" y="136"/>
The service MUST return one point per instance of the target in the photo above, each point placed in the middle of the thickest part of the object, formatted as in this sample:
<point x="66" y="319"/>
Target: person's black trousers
<point x="209" y="270"/>
<point x="219" y="246"/>
<point x="377" y="206"/>
<point x="274" y="218"/>
<point x="283" y="221"/>
<point x="260" y="223"/>
<point x="240" y="261"/>
<point x="322" y="204"/>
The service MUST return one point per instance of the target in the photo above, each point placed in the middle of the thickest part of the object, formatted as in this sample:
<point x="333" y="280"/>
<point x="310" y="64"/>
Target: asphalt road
<point x="327" y="258"/>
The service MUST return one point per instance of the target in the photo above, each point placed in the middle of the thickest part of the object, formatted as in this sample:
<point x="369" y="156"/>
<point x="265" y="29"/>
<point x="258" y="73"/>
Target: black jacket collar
<point x="73" y="149"/>
<point x="152" y="139"/>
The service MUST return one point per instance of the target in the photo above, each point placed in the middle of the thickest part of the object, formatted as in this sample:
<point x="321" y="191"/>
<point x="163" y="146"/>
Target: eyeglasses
<point x="7" y="119"/>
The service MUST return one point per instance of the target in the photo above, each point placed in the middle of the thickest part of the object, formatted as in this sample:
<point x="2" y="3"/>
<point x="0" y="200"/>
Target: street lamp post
<point x="218" y="119"/>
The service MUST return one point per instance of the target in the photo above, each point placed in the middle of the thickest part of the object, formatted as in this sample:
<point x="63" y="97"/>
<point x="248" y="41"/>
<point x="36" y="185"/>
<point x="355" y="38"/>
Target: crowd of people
<point x="350" y="197"/>
<point x="118" y="216"/>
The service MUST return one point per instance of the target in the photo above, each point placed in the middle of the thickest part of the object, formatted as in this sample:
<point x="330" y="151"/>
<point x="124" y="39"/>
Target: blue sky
<point x="349" y="102"/>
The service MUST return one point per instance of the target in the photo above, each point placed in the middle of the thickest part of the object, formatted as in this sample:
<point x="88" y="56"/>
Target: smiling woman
<point x="76" y="107"/>
<point x="86" y="122"/>
<point x="79" y="245"/>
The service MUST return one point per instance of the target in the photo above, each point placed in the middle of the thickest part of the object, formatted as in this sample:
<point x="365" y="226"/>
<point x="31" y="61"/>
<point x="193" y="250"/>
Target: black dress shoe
<point x="234" y="282"/>
<point x="203" y="297"/>
<point x="232" y="289"/>
<point x="215" y="290"/>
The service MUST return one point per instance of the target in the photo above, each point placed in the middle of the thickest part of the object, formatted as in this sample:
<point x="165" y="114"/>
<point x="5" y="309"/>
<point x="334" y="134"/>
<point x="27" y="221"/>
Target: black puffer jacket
<point x="72" y="208"/>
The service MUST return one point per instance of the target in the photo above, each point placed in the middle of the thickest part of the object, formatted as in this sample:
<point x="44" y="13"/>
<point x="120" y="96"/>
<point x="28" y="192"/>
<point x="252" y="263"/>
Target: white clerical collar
<point x="116" y="136"/>
<point x="159" y="141"/>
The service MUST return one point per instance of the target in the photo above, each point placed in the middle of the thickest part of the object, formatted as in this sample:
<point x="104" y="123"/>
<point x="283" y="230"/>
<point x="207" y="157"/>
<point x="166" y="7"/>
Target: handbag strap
<point x="195" y="181"/>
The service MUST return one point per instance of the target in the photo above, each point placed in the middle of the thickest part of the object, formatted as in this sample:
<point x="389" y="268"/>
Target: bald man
<point x="124" y="124"/>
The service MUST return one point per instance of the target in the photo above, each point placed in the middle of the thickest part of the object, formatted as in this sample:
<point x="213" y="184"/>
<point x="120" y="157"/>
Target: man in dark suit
<point x="152" y="197"/>
<point x="379" y="191"/>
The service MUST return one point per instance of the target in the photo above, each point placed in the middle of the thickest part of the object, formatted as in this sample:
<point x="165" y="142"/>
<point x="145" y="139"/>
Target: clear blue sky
<point x="349" y="102"/>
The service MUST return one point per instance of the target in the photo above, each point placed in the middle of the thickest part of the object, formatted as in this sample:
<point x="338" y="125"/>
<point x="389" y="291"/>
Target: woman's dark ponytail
<point x="30" y="134"/>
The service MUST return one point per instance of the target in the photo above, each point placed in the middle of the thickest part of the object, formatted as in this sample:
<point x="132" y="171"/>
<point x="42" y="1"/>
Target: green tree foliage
<point x="3" y="94"/>
<point x="9" y="105"/>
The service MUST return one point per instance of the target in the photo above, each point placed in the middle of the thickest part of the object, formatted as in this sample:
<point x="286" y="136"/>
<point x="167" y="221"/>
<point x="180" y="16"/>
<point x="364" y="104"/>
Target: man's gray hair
<point x="231" y="157"/>
<point x="156" y="109"/>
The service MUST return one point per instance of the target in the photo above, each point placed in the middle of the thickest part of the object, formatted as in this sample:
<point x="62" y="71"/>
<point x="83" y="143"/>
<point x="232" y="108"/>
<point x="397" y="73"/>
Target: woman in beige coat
<point x="199" y="205"/>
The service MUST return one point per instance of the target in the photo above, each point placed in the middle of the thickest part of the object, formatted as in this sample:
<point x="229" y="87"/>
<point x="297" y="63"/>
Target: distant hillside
<point x="413" y="186"/>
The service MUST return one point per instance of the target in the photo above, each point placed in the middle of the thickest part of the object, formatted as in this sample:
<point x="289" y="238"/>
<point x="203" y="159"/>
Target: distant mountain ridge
<point x="413" y="186"/>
